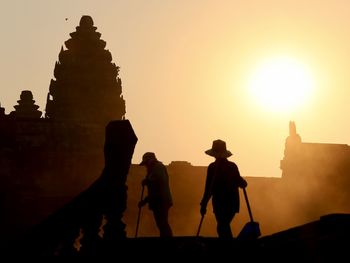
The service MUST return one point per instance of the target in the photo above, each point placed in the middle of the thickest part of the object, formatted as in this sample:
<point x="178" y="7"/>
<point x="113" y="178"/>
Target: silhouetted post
<point x="119" y="148"/>
<point x="108" y="195"/>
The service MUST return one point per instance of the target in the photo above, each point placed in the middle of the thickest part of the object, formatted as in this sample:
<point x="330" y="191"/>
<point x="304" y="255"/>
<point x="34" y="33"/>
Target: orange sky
<point x="185" y="66"/>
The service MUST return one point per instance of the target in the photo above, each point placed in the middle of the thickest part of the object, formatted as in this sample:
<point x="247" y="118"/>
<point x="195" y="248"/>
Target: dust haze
<point x="314" y="182"/>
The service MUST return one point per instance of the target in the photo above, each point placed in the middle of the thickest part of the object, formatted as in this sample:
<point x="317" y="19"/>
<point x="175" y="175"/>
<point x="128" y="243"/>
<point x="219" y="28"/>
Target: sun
<point x="281" y="84"/>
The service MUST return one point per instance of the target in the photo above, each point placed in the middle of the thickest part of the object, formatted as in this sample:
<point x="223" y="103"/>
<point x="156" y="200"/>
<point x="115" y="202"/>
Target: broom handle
<point x="139" y="214"/>
<point x="200" y="225"/>
<point x="246" y="199"/>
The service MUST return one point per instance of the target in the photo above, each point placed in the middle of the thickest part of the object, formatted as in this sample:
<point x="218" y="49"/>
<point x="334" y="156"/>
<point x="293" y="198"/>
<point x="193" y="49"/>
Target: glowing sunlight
<point x="281" y="84"/>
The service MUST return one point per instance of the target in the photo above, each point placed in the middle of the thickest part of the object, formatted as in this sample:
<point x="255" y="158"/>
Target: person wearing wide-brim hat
<point x="159" y="197"/>
<point x="222" y="183"/>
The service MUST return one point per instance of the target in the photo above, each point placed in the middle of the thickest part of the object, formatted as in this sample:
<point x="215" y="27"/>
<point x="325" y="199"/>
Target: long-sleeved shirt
<point x="159" y="194"/>
<point x="222" y="182"/>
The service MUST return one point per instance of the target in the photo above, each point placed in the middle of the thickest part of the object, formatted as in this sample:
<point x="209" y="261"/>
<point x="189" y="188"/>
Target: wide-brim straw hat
<point x="218" y="150"/>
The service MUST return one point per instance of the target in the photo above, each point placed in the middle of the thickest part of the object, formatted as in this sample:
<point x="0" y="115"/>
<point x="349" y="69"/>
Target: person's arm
<point x="144" y="201"/>
<point x="241" y="182"/>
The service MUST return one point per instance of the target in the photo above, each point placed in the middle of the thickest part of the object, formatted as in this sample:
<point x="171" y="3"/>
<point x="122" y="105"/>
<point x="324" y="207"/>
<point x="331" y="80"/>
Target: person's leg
<point x="223" y="227"/>
<point x="161" y="218"/>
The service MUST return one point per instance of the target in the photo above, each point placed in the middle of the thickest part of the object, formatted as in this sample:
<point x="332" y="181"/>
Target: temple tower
<point x="26" y="107"/>
<point x="86" y="87"/>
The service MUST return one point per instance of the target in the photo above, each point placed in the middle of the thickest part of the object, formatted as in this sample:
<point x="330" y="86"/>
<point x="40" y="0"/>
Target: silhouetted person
<point x="159" y="196"/>
<point x="222" y="182"/>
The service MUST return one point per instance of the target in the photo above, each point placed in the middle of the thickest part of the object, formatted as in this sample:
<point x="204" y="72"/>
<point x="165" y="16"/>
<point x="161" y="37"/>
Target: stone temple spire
<point x="86" y="87"/>
<point x="293" y="135"/>
<point x="293" y="141"/>
<point x="26" y="107"/>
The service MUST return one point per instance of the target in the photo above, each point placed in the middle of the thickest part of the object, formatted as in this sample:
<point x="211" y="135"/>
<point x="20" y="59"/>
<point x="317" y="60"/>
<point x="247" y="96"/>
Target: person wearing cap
<point x="159" y="197"/>
<point x="222" y="183"/>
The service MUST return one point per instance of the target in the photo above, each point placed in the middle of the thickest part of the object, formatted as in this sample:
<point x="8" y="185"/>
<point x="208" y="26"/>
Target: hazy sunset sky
<point x="186" y="66"/>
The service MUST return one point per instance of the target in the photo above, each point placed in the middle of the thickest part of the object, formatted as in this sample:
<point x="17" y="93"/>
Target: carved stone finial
<point x="292" y="128"/>
<point x="26" y="107"/>
<point x="86" y="21"/>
